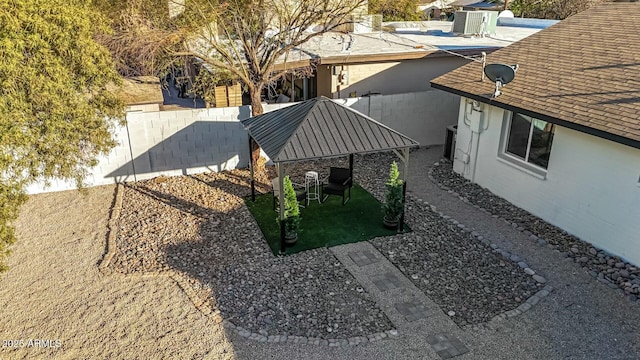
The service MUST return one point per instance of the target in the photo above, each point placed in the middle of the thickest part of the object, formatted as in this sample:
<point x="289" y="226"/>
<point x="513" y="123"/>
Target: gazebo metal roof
<point x="321" y="128"/>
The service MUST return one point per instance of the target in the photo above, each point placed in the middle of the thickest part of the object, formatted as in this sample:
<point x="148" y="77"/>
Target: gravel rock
<point x="461" y="274"/>
<point x="590" y="258"/>
<point x="198" y="227"/>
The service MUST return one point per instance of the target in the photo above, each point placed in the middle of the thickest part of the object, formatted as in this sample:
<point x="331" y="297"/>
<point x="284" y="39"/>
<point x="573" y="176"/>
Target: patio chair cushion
<point x="338" y="183"/>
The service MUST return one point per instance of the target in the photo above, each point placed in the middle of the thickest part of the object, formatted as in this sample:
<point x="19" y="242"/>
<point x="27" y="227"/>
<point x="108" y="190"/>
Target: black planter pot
<point x="390" y="224"/>
<point x="291" y="239"/>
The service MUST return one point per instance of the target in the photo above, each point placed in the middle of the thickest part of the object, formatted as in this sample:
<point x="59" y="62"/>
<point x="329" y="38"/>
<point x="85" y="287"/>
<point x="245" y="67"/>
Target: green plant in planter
<point x="392" y="207"/>
<point x="291" y="212"/>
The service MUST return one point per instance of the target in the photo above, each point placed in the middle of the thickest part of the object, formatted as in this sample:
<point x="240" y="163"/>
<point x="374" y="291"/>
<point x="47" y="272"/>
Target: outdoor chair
<point x="301" y="193"/>
<point x="338" y="183"/>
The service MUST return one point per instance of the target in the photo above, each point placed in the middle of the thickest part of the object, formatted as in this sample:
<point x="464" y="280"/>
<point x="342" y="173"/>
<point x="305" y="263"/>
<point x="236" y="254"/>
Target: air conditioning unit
<point x="475" y="22"/>
<point x="363" y="24"/>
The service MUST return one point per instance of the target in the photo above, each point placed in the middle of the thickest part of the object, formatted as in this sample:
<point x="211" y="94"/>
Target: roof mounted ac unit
<point x="475" y="22"/>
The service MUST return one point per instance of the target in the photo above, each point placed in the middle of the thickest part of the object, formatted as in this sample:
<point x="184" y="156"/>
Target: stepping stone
<point x="386" y="281"/>
<point x="362" y="258"/>
<point x="447" y="346"/>
<point x="413" y="311"/>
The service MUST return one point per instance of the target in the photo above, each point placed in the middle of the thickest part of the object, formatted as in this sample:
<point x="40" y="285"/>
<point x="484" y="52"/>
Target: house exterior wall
<point x="386" y="78"/>
<point x="591" y="188"/>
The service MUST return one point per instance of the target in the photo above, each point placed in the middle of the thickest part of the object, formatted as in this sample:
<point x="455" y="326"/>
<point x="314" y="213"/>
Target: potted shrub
<point x="392" y="207"/>
<point x="291" y="213"/>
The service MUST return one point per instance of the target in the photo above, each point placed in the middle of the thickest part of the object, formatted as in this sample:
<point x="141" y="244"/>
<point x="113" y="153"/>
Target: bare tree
<point x="551" y="9"/>
<point x="562" y="9"/>
<point x="249" y="39"/>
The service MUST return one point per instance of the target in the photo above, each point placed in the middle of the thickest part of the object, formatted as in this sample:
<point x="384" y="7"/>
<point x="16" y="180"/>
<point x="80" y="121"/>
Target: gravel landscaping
<point x="467" y="278"/>
<point x="198" y="226"/>
<point x="608" y="269"/>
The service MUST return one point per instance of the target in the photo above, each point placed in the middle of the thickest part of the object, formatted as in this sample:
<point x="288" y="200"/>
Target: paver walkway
<point x="405" y="305"/>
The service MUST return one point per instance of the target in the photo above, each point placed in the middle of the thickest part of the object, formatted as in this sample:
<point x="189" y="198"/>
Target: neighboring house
<point x="425" y="7"/>
<point x="562" y="141"/>
<point x="402" y="60"/>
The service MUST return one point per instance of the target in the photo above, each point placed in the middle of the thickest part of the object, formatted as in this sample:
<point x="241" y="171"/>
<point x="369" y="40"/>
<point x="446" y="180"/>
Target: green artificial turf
<point x="326" y="224"/>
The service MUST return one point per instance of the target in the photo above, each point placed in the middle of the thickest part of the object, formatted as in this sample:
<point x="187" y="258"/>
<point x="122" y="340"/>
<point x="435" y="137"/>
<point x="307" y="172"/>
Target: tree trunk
<point x="256" y="100"/>
<point x="256" y="109"/>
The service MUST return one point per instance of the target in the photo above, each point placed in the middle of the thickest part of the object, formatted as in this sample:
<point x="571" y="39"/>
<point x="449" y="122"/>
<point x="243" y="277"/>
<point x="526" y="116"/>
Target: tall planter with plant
<point x="393" y="206"/>
<point x="291" y="212"/>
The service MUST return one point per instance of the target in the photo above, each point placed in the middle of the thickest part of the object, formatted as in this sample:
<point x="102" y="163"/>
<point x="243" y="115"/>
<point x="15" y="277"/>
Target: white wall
<point x="422" y="116"/>
<point x="201" y="140"/>
<point x="591" y="188"/>
<point x="171" y="143"/>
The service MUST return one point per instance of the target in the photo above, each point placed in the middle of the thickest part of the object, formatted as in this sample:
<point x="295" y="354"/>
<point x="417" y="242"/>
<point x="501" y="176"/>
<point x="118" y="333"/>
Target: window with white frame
<point x="529" y="139"/>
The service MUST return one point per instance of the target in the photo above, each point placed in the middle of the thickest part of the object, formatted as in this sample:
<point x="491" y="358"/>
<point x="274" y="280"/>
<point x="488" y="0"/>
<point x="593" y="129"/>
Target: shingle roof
<point x="582" y="73"/>
<point x="320" y="128"/>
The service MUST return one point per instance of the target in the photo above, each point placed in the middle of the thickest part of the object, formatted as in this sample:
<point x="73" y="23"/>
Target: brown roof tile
<point x="582" y="73"/>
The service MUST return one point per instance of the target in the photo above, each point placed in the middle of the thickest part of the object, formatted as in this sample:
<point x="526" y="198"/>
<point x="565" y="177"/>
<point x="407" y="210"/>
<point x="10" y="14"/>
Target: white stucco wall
<point x="591" y="188"/>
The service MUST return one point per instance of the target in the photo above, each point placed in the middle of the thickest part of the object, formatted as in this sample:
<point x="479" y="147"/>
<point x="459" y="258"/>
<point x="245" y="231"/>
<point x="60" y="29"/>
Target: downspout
<point x="476" y="146"/>
<point x="477" y="126"/>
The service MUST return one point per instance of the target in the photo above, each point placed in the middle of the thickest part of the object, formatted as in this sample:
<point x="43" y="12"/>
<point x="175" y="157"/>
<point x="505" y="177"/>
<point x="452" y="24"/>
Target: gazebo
<point x="320" y="128"/>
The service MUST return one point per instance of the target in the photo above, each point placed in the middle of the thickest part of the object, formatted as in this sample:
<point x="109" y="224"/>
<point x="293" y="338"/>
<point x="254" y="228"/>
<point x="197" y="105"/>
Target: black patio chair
<point x="338" y="183"/>
<point x="301" y="193"/>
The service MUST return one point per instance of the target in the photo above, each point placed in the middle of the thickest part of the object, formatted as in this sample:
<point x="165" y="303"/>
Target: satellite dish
<point x="501" y="74"/>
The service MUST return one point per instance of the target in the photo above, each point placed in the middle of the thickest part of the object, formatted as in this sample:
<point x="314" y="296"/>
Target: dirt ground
<point x="55" y="293"/>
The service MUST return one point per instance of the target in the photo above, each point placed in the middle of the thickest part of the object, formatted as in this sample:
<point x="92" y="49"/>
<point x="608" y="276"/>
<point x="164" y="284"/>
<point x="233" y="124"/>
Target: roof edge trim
<point x="581" y="128"/>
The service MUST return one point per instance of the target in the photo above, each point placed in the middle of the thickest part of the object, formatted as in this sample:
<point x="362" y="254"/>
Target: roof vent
<point x="475" y="22"/>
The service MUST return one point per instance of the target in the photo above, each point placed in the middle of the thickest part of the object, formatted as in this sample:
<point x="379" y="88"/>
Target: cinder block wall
<point x="200" y="140"/>
<point x="170" y="143"/>
<point x="423" y="116"/>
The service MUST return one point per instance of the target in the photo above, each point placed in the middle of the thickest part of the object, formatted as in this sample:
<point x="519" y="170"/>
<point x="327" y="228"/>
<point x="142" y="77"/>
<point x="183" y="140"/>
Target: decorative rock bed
<point x="198" y="229"/>
<point x="607" y="268"/>
<point x="462" y="272"/>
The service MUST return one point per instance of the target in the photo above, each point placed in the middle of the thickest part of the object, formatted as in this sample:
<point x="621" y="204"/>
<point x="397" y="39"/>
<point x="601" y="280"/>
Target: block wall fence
<point x="181" y="142"/>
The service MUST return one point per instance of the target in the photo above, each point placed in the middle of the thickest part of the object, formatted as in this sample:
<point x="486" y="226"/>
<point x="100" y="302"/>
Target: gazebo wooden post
<point x="253" y="182"/>
<point x="351" y="166"/>
<point x="404" y="185"/>
<point x="279" y="169"/>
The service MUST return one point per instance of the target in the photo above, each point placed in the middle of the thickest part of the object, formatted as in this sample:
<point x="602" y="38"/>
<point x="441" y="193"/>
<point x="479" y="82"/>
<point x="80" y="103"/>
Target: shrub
<point x="392" y="207"/>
